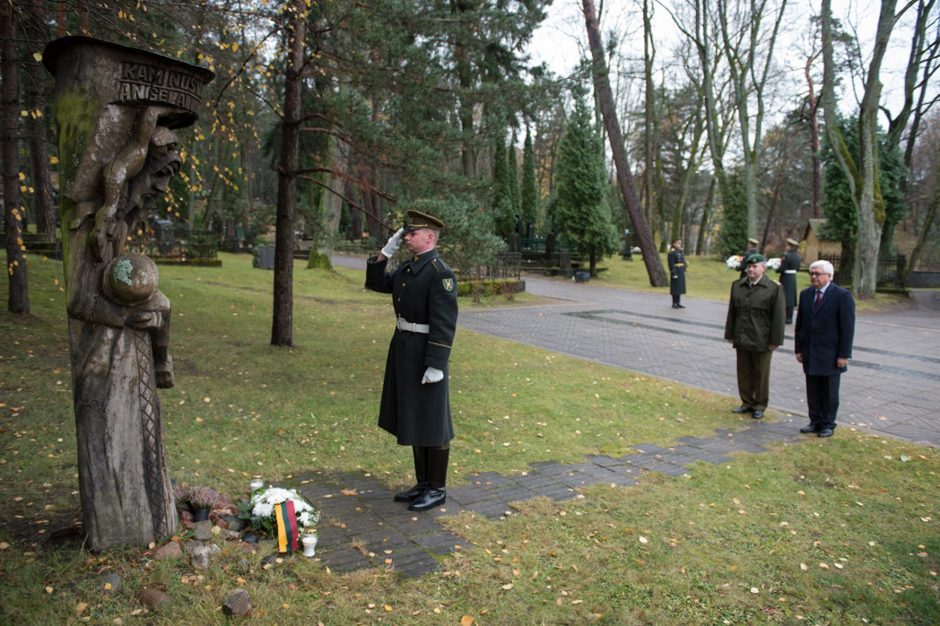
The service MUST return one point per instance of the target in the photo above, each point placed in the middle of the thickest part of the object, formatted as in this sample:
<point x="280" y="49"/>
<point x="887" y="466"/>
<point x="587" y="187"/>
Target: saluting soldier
<point x="789" y="266"/>
<point x="676" y="260"/>
<point x="415" y="398"/>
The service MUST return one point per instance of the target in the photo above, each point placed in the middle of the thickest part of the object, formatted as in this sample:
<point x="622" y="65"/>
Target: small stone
<point x="203" y="530"/>
<point x="153" y="598"/>
<point x="237" y="603"/>
<point x="111" y="583"/>
<point x="170" y="550"/>
<point x="233" y="522"/>
<point x="250" y="538"/>
<point x="199" y="557"/>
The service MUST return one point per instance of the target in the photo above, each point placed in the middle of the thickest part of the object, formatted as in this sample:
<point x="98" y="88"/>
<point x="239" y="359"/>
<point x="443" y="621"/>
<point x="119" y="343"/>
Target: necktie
<point x="818" y="298"/>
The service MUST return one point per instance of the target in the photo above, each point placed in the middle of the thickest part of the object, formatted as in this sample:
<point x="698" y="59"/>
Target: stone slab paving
<point x="362" y="527"/>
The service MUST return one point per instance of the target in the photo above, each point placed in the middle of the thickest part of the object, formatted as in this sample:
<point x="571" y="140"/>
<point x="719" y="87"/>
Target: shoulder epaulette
<point x="439" y="265"/>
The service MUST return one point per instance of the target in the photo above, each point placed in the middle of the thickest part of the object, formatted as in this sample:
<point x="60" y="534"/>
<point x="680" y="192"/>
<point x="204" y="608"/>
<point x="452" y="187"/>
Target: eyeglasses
<point x="817" y="273"/>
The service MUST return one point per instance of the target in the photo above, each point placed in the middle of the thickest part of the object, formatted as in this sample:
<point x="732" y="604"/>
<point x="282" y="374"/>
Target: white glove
<point x="432" y="375"/>
<point x="393" y="243"/>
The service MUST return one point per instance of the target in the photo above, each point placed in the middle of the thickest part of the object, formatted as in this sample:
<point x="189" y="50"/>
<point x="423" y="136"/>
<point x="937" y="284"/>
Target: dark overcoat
<point x="826" y="334"/>
<point x="788" y="267"/>
<point x="676" y="261"/>
<point x="424" y="291"/>
<point x="756" y="315"/>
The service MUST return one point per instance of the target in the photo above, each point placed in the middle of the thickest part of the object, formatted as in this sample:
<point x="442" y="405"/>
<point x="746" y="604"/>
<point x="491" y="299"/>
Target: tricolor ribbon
<point x="288" y="537"/>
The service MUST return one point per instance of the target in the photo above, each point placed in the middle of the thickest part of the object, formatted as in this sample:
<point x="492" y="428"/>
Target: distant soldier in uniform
<point x="789" y="266"/>
<point x="415" y="398"/>
<point x="752" y="248"/>
<point x="676" y="273"/>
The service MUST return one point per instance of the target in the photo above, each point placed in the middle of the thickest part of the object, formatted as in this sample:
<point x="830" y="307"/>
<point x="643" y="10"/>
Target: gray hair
<point x="825" y="266"/>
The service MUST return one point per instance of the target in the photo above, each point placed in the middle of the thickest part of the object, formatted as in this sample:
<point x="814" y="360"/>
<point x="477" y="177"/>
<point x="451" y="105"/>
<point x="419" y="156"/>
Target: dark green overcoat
<point x="789" y="266"/>
<point x="676" y="261"/>
<point x="424" y="291"/>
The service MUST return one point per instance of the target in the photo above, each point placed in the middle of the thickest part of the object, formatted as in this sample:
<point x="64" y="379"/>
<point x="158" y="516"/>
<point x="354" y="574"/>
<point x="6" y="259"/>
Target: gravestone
<point x="117" y="110"/>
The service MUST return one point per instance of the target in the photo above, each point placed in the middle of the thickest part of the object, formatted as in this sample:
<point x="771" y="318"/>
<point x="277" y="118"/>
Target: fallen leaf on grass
<point x="349" y="492"/>
<point x="804" y="566"/>
<point x="80" y="608"/>
<point x="466" y="620"/>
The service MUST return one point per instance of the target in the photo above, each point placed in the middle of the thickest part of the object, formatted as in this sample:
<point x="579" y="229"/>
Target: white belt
<point x="401" y="324"/>
<point x="789" y="271"/>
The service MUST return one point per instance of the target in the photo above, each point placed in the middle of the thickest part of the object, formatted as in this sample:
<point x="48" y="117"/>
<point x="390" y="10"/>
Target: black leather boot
<point x="421" y="475"/>
<point x="436" y="494"/>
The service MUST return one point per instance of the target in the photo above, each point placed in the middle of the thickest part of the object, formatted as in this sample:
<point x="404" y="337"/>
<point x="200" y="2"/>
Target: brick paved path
<point x="361" y="526"/>
<point x="893" y="387"/>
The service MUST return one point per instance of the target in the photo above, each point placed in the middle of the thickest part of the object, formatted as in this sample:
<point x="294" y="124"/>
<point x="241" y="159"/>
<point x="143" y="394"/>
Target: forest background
<point x="327" y="119"/>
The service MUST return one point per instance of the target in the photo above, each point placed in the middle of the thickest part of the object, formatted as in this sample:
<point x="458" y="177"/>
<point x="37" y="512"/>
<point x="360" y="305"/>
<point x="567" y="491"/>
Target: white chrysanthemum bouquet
<point x="260" y="509"/>
<point x="734" y="262"/>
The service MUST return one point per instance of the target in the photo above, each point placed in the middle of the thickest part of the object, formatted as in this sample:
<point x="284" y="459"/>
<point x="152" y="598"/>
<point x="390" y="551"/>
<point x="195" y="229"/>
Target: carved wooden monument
<point x="117" y="110"/>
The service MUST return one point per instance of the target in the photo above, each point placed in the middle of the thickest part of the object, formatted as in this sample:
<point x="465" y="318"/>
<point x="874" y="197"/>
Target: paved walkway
<point x="892" y="387"/>
<point x="362" y="527"/>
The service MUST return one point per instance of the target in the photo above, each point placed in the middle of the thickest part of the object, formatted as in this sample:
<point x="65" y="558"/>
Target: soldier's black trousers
<point x="431" y="465"/>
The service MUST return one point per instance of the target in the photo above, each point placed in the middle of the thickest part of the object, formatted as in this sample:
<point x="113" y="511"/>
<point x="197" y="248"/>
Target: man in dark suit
<point x="825" y="328"/>
<point x="415" y="398"/>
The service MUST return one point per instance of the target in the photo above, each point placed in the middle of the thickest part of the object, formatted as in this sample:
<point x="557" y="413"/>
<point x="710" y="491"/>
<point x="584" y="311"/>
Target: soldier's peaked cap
<point x="419" y="219"/>
<point x="753" y="241"/>
<point x="793" y="242"/>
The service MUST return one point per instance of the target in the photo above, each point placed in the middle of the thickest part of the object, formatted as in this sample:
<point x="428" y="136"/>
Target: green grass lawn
<point x="842" y="531"/>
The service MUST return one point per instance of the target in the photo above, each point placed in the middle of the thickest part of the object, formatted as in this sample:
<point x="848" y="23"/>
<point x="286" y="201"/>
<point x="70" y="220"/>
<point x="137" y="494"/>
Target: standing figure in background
<point x="415" y="398"/>
<point x="789" y="266"/>
<point x="676" y="260"/>
<point x="752" y="248"/>
<point x="825" y="330"/>
<point x="755" y="328"/>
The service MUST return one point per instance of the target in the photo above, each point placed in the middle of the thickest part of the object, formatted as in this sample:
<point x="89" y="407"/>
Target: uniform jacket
<point x="791" y="261"/>
<point x="424" y="291"/>
<point x="676" y="261"/>
<point x="825" y="334"/>
<point x="756" y="315"/>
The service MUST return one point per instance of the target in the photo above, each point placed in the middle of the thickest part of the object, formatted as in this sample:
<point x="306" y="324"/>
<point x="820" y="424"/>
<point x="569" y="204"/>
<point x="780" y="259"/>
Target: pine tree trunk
<point x="282" y="322"/>
<point x="18" y="298"/>
<point x="644" y="237"/>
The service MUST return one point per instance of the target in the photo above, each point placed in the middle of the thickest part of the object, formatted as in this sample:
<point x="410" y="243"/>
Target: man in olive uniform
<point x="676" y="261"/>
<point x="752" y="248"/>
<point x="789" y="266"/>
<point x="755" y="328"/>
<point x="415" y="399"/>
